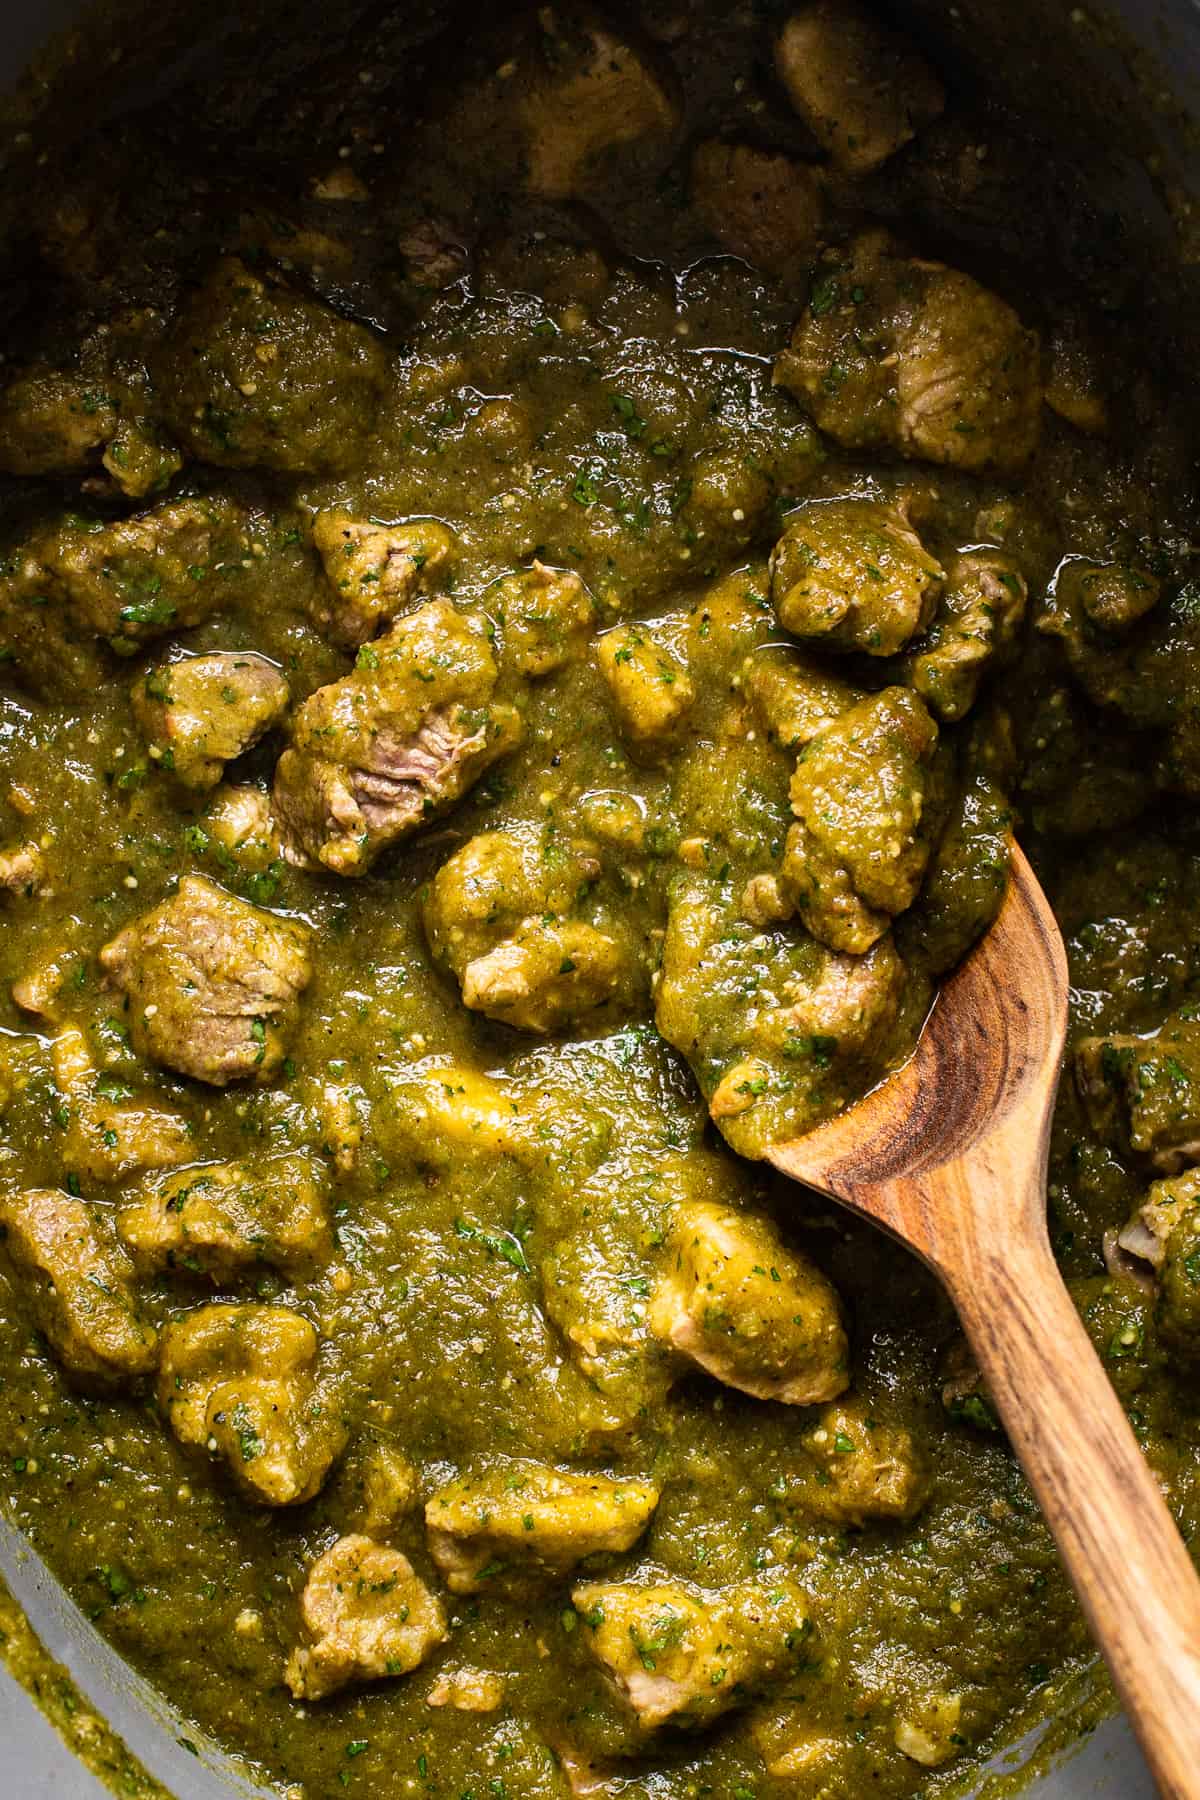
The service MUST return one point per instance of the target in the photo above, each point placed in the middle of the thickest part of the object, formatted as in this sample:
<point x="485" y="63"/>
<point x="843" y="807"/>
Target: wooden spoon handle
<point x="1114" y="1532"/>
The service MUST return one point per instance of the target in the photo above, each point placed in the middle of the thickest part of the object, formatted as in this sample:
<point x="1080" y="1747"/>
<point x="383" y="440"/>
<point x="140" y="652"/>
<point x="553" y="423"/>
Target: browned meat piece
<point x="1165" y="1231"/>
<point x="242" y="1382"/>
<point x="541" y="979"/>
<point x="975" y="626"/>
<point x="211" y="983"/>
<point x="443" y="1113"/>
<point x="546" y="617"/>
<point x="368" y="1615"/>
<point x="39" y="989"/>
<point x="681" y="1657"/>
<point x="53" y="421"/>
<point x="255" y="373"/>
<point x="755" y="1314"/>
<point x="764" y="902"/>
<point x="650" y="689"/>
<point x="841" y="1018"/>
<point x="862" y="91"/>
<point x="121" y="584"/>
<point x="598" y="92"/>
<point x="1142" y="1094"/>
<point x="237" y="820"/>
<point x="1075" y="387"/>
<point x="341" y="186"/>
<point x="140" y="459"/>
<point x="853" y="575"/>
<point x="79" y="1286"/>
<point x="777" y="1029"/>
<point x="377" y="754"/>
<point x="375" y="570"/>
<point x="598" y="1305"/>
<point x="1131" y="646"/>
<point x="513" y="915"/>
<point x="760" y="205"/>
<point x="51" y="652"/>
<point x="585" y="1775"/>
<point x="222" y="1218"/>
<point x="111" y="1131"/>
<point x="467" y="1690"/>
<point x="927" y="1731"/>
<point x="21" y="869"/>
<point x="849" y="1010"/>
<point x="563" y="266"/>
<point x="199" y="712"/>
<point x="57" y="418"/>
<point x="895" y="353"/>
<point x="865" y="1468"/>
<point x="1092" y="603"/>
<point x="794" y="697"/>
<point x="866" y="804"/>
<point x="154" y="572"/>
<point x="434" y="257"/>
<point x="1166" y="1203"/>
<point x="378" y="1487"/>
<point x="792" y="1744"/>
<point x="522" y="1518"/>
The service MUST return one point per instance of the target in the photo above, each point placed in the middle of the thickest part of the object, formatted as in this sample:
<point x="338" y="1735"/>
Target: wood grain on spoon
<point x="950" y="1156"/>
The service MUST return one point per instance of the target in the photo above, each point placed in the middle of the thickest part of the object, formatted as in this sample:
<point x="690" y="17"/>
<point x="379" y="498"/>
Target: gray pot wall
<point x="34" y="1762"/>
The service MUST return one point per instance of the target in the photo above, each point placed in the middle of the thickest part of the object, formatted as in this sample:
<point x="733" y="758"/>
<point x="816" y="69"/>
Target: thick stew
<point x="540" y="569"/>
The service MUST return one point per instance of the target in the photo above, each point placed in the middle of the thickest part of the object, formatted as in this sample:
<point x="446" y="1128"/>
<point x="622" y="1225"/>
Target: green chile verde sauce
<point x="539" y="576"/>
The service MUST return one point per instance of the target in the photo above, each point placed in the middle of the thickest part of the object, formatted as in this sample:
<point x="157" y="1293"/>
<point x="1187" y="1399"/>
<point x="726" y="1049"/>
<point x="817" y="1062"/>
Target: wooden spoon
<point x="949" y="1155"/>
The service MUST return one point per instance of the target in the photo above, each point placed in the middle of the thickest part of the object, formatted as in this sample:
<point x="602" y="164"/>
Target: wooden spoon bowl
<point x="950" y="1156"/>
